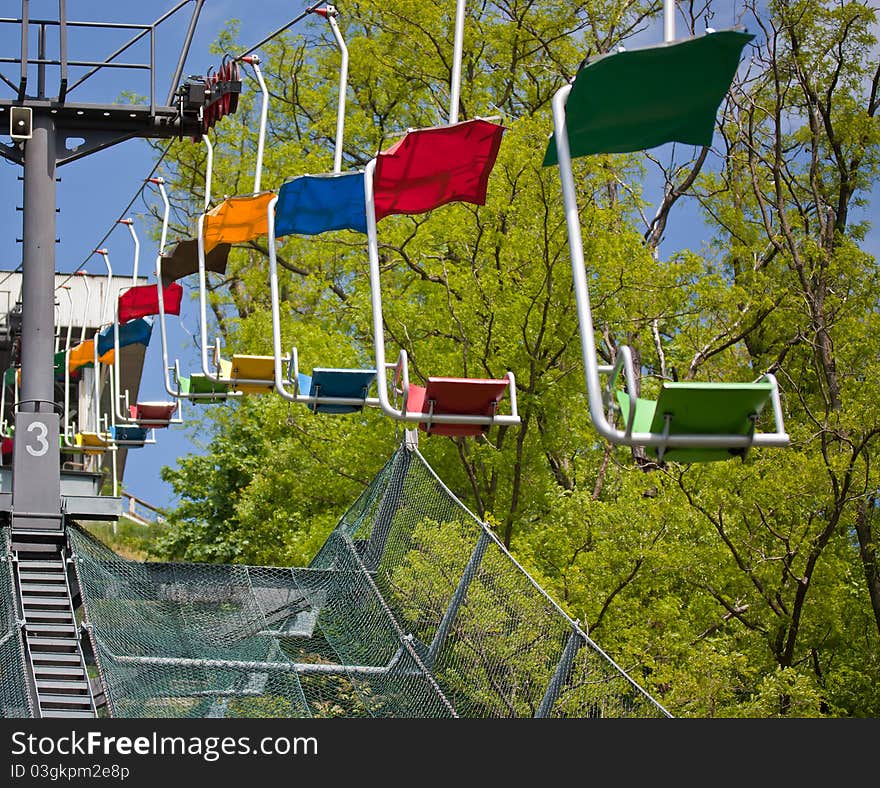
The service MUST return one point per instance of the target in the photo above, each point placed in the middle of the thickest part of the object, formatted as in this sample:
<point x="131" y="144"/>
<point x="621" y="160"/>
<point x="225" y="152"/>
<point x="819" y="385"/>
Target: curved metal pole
<point x="668" y="20"/>
<point x="97" y="387"/>
<point x="105" y="307"/>
<point x="275" y="299"/>
<point x="66" y="289"/>
<point x="105" y="302"/>
<point x="67" y="434"/>
<point x="458" y="45"/>
<point x="203" y="302"/>
<point x="57" y="311"/>
<point x="209" y="171"/>
<point x="116" y="391"/>
<point x="137" y="249"/>
<point x="331" y="13"/>
<point x="376" y="295"/>
<point x="160" y="289"/>
<point x="87" y="283"/>
<point x="254" y="62"/>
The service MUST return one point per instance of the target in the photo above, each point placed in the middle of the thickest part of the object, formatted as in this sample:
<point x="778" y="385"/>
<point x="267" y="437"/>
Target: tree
<point x="733" y="589"/>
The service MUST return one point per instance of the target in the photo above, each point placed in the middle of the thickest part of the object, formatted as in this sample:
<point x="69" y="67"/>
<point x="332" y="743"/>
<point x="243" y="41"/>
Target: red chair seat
<point x="458" y="396"/>
<point x="150" y="412"/>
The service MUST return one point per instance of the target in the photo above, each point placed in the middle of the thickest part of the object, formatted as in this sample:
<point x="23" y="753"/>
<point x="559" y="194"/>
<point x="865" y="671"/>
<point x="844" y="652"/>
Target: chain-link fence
<point x="14" y="696"/>
<point x="412" y="608"/>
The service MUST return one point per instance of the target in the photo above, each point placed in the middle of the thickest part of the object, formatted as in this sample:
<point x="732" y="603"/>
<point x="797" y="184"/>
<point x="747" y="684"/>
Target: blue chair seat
<point x="328" y="384"/>
<point x="129" y="435"/>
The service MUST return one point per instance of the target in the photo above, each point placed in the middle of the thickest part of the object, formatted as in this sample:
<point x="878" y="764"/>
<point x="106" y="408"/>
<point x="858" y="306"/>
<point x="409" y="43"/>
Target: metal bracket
<point x="12" y="152"/>
<point x="94" y="141"/>
<point x="411" y="439"/>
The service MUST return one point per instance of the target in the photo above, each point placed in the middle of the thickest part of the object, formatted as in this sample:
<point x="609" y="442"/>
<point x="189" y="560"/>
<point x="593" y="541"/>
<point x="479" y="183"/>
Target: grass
<point x="128" y="539"/>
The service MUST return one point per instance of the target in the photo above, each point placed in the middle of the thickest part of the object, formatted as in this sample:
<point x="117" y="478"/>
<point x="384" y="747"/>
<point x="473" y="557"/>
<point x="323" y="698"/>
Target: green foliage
<point x="737" y="589"/>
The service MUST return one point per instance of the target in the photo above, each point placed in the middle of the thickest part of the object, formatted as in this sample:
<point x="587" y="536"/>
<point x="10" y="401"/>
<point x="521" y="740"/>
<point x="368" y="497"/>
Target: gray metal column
<point x="36" y="483"/>
<point x="561" y="674"/>
<point x="448" y="620"/>
<point x="387" y="509"/>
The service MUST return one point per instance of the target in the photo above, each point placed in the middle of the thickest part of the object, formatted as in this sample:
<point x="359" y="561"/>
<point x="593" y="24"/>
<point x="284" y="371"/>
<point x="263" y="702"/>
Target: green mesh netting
<point x="13" y="682"/>
<point x="410" y="609"/>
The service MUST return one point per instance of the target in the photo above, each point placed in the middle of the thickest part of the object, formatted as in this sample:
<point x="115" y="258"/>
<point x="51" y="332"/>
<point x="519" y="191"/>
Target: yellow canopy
<point x="236" y="220"/>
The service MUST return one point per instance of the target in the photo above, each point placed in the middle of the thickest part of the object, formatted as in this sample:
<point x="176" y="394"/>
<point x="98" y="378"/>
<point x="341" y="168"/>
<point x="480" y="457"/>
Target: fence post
<point x="560" y="675"/>
<point x="457" y="598"/>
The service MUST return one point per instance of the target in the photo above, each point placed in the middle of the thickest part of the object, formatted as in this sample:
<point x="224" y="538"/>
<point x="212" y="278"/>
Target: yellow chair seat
<point x="91" y="442"/>
<point x="251" y="368"/>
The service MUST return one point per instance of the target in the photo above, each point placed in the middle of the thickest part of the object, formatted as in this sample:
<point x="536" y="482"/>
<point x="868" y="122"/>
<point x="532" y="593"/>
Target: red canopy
<point x="143" y="300"/>
<point x="431" y="167"/>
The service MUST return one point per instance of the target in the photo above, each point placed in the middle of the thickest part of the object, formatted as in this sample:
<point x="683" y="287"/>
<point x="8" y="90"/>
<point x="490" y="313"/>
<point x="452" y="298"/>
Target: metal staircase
<point x="60" y="682"/>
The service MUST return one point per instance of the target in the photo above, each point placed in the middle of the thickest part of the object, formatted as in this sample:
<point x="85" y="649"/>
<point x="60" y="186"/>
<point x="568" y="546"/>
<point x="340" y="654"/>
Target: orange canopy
<point x="236" y="220"/>
<point x="84" y="354"/>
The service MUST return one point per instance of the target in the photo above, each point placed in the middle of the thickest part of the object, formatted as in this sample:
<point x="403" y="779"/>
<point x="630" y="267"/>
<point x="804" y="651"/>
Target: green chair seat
<point x="199" y="385"/>
<point x="699" y="409"/>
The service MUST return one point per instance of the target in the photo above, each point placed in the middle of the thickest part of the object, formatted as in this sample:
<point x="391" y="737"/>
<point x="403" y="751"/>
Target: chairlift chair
<point x="196" y="387"/>
<point x="76" y="437"/>
<point x="97" y="442"/>
<point x="135" y="329"/>
<point x="606" y="109"/>
<point x="311" y="205"/>
<point x="236" y="220"/>
<point x="428" y="168"/>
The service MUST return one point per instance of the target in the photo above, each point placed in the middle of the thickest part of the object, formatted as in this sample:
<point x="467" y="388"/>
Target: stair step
<point x="64" y="700"/>
<point x="67" y="713"/>
<point x="42" y="642"/>
<point x="48" y="601"/>
<point x="61" y="616"/>
<point x="60" y="684"/>
<point x="42" y="577"/>
<point x="51" y="629"/>
<point x="28" y="564"/>
<point x="71" y="671"/>
<point x="34" y="547"/>
<point x="66" y="657"/>
<point x="44" y="588"/>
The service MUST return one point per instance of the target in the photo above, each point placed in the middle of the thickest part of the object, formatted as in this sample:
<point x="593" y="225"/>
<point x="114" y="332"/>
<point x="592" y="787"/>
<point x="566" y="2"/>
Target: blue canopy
<point x="313" y="204"/>
<point x="129" y="333"/>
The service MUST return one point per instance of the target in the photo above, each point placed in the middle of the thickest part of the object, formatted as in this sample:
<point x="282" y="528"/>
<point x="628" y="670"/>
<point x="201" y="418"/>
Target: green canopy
<point x="700" y="409"/>
<point x="629" y="101"/>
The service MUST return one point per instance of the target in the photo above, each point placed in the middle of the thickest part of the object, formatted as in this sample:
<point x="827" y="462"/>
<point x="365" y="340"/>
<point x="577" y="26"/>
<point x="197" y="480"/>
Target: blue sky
<point x="95" y="190"/>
